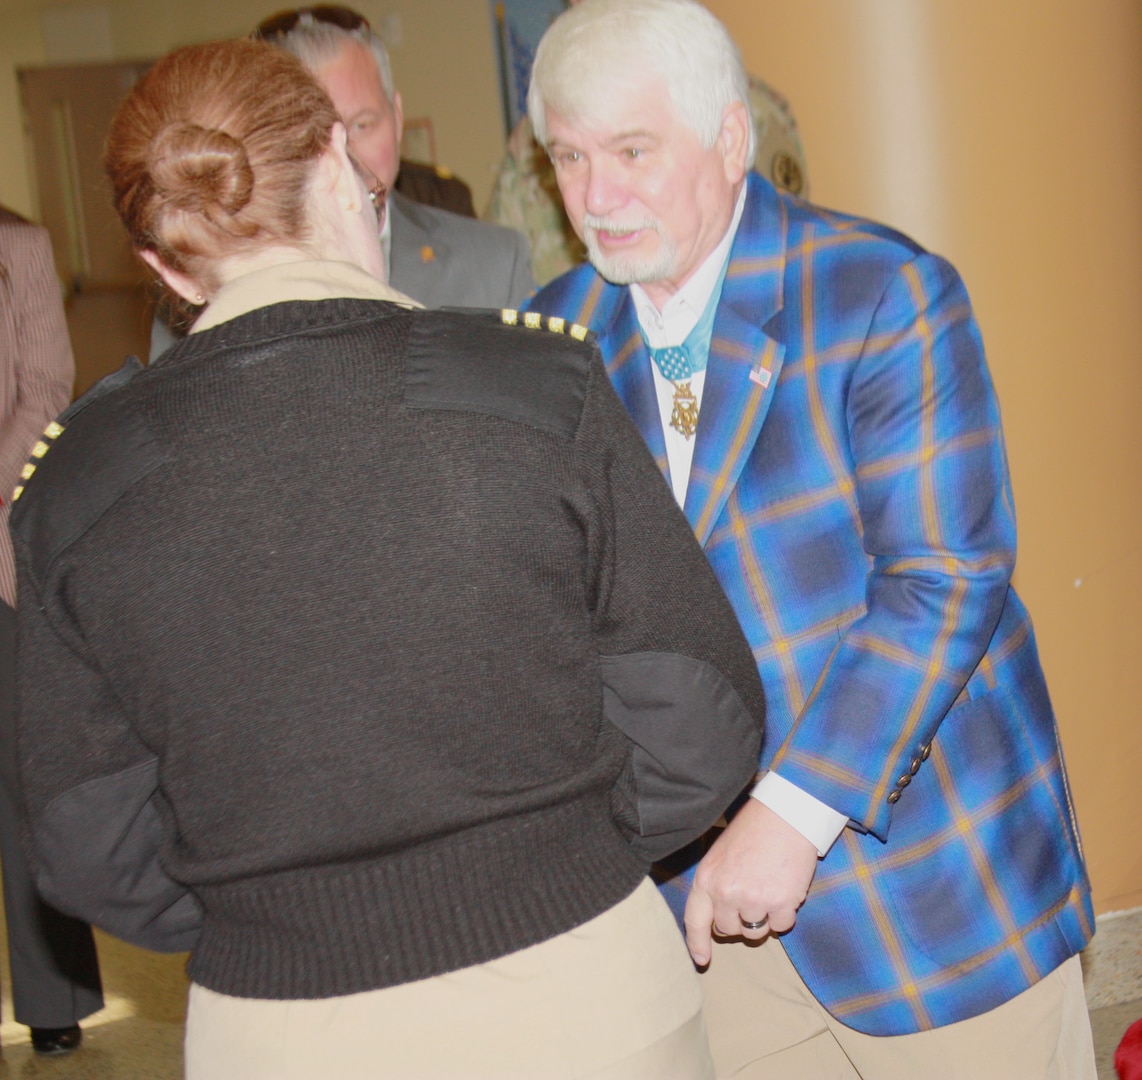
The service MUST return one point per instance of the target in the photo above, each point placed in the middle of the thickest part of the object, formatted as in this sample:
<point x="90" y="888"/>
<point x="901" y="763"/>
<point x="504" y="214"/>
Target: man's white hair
<point x="599" y="49"/>
<point x="315" y="44"/>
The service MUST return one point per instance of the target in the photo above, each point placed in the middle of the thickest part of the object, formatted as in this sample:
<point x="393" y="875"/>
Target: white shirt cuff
<point x="819" y="823"/>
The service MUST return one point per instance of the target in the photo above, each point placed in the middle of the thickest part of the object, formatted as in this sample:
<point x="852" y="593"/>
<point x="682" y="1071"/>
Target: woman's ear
<point x="340" y="177"/>
<point x="181" y="283"/>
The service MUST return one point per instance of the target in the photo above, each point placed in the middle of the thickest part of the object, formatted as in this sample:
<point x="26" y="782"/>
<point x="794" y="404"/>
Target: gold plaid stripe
<point x="766" y="607"/>
<point x="822" y="631"/>
<point x="861" y="1003"/>
<point x="908" y="461"/>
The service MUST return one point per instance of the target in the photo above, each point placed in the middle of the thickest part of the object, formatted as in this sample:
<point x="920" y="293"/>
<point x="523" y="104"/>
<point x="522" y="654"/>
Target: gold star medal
<point x="684" y="415"/>
<point x="674" y="364"/>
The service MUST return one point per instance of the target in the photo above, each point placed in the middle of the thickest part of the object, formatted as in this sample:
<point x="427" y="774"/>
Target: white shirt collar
<point x="387" y="238"/>
<point x="685" y="307"/>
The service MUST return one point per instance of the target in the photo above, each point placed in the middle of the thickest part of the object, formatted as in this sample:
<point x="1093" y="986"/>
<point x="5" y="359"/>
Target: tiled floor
<point x="138" y="1036"/>
<point x="1108" y="1024"/>
<point x="1112" y="972"/>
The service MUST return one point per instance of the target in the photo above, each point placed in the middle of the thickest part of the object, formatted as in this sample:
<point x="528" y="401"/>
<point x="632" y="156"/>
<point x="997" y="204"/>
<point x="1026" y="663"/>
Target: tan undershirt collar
<point x="309" y="279"/>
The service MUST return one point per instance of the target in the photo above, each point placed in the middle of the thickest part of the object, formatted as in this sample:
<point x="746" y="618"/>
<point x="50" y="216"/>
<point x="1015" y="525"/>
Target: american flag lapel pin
<point x="760" y="375"/>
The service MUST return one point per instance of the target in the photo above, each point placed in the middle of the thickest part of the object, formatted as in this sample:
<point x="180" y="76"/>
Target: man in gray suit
<point x="438" y="258"/>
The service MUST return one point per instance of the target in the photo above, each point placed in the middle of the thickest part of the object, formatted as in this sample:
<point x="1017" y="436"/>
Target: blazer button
<point x="914" y="768"/>
<point x="894" y="796"/>
<point x="904" y="781"/>
<point x="925" y="751"/>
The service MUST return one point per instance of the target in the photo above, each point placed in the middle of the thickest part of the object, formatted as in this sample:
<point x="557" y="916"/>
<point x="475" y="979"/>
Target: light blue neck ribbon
<point x="679" y="362"/>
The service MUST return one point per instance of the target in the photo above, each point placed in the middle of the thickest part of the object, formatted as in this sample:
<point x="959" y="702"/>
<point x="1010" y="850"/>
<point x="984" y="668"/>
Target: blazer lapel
<point x="745" y="360"/>
<point x="628" y="362"/>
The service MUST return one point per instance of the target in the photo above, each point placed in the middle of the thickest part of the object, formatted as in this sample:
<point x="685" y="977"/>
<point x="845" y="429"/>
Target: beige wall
<point x="1008" y="136"/>
<point x="1004" y="134"/>
<point x="453" y="36"/>
<point x="21" y="45"/>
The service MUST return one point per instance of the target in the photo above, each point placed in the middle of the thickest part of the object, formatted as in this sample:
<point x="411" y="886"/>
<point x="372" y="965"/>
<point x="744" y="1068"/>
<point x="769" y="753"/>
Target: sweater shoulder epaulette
<point x="98" y="448"/>
<point x="522" y="367"/>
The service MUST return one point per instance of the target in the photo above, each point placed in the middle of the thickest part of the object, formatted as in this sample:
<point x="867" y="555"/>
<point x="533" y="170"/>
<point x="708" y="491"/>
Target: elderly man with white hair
<point x="907" y="874"/>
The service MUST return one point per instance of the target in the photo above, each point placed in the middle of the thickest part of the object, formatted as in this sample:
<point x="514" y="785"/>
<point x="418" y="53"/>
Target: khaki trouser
<point x="764" y="1023"/>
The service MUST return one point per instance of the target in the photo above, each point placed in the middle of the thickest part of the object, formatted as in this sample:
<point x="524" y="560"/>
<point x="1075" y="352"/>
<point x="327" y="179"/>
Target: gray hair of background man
<point x="316" y="43"/>
<point x="598" y="48"/>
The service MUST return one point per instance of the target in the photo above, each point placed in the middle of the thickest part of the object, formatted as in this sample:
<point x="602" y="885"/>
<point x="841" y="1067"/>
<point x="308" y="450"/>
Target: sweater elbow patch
<point x="694" y="743"/>
<point x="97" y="848"/>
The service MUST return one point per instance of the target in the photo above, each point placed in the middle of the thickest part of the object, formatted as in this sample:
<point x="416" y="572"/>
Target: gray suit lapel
<point x="418" y="255"/>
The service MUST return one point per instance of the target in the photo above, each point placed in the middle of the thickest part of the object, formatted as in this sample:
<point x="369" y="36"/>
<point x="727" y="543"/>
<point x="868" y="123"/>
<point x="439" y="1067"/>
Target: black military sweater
<point x="314" y="612"/>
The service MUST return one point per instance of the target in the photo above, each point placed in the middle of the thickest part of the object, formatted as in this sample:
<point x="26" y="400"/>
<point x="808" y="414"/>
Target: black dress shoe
<point x="56" y="1040"/>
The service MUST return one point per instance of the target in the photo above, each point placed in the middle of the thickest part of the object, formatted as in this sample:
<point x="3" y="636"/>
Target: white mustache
<point x="602" y="224"/>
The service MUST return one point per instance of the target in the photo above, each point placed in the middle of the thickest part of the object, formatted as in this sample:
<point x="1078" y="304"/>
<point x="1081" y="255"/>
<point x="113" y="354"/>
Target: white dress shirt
<point x="819" y="823"/>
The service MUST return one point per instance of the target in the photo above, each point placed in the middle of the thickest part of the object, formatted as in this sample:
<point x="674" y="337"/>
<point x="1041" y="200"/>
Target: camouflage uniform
<point x="526" y="196"/>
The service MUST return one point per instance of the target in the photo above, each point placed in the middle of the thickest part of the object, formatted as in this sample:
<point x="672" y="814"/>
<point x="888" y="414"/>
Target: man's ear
<point x="733" y="140"/>
<point x="181" y="283"/>
<point x="398" y="118"/>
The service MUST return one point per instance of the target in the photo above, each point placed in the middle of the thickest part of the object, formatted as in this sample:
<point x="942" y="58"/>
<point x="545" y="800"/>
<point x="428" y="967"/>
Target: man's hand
<point x="758" y="871"/>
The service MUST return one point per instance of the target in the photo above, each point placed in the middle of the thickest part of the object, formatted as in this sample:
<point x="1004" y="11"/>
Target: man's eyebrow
<point x="614" y="140"/>
<point x="632" y="133"/>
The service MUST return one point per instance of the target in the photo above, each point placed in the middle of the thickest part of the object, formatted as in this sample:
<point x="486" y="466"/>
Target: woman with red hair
<point x="364" y="652"/>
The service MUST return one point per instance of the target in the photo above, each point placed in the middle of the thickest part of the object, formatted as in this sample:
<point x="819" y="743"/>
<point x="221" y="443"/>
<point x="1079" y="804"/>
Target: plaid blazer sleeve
<point x="867" y="547"/>
<point x="922" y="449"/>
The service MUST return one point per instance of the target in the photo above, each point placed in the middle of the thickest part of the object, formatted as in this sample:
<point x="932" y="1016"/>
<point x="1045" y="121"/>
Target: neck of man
<point x="660" y="293"/>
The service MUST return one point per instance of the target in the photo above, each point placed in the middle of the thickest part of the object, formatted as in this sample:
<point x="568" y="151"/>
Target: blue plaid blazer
<point x="850" y="489"/>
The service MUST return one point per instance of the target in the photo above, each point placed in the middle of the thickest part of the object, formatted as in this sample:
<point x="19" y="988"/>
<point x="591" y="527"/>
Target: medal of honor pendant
<point x="684" y="417"/>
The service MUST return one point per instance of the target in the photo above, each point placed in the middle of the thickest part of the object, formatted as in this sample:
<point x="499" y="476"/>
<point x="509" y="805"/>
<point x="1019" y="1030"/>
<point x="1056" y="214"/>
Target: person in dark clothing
<point x="433" y="185"/>
<point x="363" y="652"/>
<point x="55" y="971"/>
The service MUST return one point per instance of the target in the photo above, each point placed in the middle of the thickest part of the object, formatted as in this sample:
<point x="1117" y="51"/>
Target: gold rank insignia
<point x="534" y="321"/>
<point x="52" y="432"/>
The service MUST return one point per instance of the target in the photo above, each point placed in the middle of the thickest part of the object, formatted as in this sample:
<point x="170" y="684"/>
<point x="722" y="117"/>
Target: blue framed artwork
<point x="518" y="25"/>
